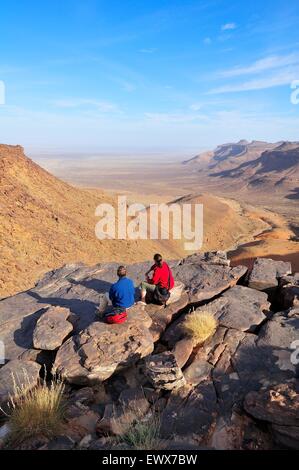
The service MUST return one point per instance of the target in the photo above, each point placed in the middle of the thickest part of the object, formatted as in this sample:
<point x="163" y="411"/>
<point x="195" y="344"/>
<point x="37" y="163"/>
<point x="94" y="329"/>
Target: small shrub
<point x="36" y="413"/>
<point x="144" y="434"/>
<point x="200" y="326"/>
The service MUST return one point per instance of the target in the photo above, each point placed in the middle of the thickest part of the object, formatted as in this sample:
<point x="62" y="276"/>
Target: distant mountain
<point x="255" y="165"/>
<point x="276" y="167"/>
<point x="229" y="155"/>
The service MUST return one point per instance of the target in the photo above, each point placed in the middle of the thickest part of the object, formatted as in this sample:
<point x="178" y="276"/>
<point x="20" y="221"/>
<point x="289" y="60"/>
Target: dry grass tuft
<point x="36" y="413"/>
<point x="144" y="434"/>
<point x="200" y="326"/>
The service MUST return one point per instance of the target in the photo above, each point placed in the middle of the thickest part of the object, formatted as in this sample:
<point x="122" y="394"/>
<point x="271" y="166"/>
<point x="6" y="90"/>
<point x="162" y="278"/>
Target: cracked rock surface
<point x="237" y="390"/>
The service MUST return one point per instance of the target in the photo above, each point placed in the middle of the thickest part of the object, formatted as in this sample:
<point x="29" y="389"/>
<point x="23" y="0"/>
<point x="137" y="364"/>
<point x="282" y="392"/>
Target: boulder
<point x="239" y="308"/>
<point x="18" y="317"/>
<point x="161" y="317"/>
<point x="44" y="358"/>
<point x="213" y="361"/>
<point x="82" y="423"/>
<point x="190" y="413"/>
<point x="198" y="371"/>
<point x="117" y="419"/>
<point x="97" y="352"/>
<point x="279" y="406"/>
<point x="266" y="273"/>
<point x="267" y="359"/>
<point x="163" y="371"/>
<point x="209" y="257"/>
<point x="52" y="328"/>
<point x="227" y="434"/>
<point x="75" y="287"/>
<point x="17" y="376"/>
<point x="183" y="350"/>
<point x="243" y="308"/>
<point x="203" y="280"/>
<point x="289" y="291"/>
<point x="280" y="331"/>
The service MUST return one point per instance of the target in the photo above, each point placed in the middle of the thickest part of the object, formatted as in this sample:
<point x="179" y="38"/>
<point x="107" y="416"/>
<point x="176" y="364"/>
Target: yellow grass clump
<point x="200" y="326"/>
<point x="36" y="413"/>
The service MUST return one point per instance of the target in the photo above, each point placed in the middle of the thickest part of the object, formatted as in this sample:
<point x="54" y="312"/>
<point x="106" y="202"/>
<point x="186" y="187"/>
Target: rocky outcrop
<point x="132" y="405"/>
<point x="190" y="413"/>
<point x="289" y="291"/>
<point x="161" y="317"/>
<point x="101" y="349"/>
<point x="278" y="406"/>
<point x="204" y="280"/>
<point x="267" y="359"/>
<point x="210" y="257"/>
<point x="241" y="308"/>
<point x="150" y="362"/>
<point x="266" y="273"/>
<point x="17" y="377"/>
<point x="164" y="372"/>
<point x="52" y="328"/>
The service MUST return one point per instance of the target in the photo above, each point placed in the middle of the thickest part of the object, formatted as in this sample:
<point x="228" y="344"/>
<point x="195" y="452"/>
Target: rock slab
<point x="266" y="272"/>
<point x="97" y="352"/>
<point x="52" y="328"/>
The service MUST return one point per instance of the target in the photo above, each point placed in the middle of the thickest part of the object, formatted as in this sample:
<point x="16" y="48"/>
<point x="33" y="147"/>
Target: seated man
<point x="122" y="293"/>
<point x="162" y="279"/>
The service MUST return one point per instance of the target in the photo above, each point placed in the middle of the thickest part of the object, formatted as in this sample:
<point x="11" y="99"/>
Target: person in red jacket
<point x="161" y="277"/>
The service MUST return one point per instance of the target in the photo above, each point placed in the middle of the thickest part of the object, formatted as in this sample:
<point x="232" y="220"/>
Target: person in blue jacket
<point x="122" y="293"/>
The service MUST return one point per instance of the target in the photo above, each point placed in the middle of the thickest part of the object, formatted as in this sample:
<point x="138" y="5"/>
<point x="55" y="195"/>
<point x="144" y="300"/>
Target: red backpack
<point x="117" y="316"/>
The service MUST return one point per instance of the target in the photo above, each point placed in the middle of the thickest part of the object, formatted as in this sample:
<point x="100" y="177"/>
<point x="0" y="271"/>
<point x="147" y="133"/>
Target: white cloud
<point x="275" y="80"/>
<point x="228" y="26"/>
<point x="102" y="106"/>
<point x="267" y="63"/>
<point x="207" y="41"/>
<point x="149" y="50"/>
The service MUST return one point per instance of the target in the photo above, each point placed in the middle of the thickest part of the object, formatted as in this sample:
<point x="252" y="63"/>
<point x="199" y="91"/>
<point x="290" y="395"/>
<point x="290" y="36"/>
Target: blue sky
<point x="158" y="75"/>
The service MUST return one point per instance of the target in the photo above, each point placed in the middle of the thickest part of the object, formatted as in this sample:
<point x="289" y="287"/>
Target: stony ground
<point x="237" y="390"/>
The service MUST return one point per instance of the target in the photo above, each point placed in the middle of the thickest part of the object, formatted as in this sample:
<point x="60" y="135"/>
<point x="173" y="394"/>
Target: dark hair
<point x="158" y="259"/>
<point x="121" y="271"/>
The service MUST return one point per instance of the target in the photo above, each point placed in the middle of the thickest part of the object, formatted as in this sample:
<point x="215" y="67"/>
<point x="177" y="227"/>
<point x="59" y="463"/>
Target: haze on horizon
<point x="160" y="76"/>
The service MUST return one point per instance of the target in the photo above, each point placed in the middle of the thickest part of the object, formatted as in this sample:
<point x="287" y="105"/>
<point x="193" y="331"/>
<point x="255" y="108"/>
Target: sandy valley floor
<point x="151" y="178"/>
